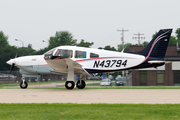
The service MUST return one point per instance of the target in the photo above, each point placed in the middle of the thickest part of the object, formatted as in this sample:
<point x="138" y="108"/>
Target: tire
<point x="24" y="86"/>
<point x="69" y="85"/>
<point x="80" y="85"/>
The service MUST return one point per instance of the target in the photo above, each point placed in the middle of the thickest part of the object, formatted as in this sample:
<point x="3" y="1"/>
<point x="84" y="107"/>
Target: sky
<point x="32" y="21"/>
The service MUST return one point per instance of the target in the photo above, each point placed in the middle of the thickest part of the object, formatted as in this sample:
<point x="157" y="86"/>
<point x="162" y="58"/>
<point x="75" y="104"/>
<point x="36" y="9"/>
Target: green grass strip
<point x="58" y="111"/>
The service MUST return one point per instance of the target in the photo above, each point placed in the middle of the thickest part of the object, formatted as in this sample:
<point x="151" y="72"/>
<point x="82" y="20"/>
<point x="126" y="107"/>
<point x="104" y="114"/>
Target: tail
<point x="158" y="45"/>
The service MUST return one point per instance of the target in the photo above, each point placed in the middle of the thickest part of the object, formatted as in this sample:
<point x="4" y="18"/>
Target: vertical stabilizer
<point x="158" y="45"/>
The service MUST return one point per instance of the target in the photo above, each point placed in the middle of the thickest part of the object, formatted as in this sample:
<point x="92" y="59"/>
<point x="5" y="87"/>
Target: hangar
<point x="166" y="75"/>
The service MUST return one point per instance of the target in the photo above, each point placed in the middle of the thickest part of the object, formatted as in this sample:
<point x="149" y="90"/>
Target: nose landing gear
<point x="23" y="84"/>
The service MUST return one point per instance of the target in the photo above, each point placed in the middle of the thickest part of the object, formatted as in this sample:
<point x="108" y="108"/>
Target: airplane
<point x="73" y="60"/>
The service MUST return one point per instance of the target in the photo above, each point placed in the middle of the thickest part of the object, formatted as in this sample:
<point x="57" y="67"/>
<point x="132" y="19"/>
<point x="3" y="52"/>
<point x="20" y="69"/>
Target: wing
<point x="61" y="66"/>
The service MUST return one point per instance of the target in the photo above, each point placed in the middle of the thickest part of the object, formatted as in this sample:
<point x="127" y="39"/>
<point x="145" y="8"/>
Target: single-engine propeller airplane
<point x="72" y="60"/>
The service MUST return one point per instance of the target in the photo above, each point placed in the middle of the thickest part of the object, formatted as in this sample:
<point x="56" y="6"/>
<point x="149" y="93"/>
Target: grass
<point x="59" y="111"/>
<point x="62" y="111"/>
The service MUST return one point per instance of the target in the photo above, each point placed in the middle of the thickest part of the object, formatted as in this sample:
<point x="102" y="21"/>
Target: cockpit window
<point x="50" y="52"/>
<point x="93" y="55"/>
<point x="80" y="54"/>
<point x="64" y="53"/>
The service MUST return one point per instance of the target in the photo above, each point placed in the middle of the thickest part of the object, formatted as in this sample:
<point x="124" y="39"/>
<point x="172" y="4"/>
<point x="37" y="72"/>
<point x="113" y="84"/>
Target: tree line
<point x="59" y="39"/>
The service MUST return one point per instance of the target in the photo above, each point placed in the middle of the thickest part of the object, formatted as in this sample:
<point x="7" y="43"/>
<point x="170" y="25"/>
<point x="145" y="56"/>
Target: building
<point x="166" y="75"/>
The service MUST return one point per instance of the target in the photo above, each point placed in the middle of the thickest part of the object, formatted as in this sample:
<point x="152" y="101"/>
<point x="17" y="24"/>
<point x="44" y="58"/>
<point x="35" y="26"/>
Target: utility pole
<point x="122" y="42"/>
<point x="122" y="36"/>
<point x="139" y="38"/>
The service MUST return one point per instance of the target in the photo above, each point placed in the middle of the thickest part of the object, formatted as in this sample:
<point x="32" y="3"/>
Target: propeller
<point x="12" y="63"/>
<point x="12" y="67"/>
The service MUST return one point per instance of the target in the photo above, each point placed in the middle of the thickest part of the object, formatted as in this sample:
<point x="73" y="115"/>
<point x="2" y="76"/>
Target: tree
<point x="108" y="47"/>
<point x="3" y="39"/>
<point x="154" y="35"/>
<point x="126" y="47"/>
<point x="85" y="44"/>
<point x="6" y="53"/>
<point x="178" y="35"/>
<point x="61" y="38"/>
<point x="30" y="46"/>
<point x="100" y="48"/>
<point x="145" y="43"/>
<point x="42" y="51"/>
<point x="172" y="40"/>
<point x="24" y="51"/>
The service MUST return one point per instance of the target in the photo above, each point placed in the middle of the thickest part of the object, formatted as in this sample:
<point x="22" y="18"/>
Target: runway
<point x="149" y="96"/>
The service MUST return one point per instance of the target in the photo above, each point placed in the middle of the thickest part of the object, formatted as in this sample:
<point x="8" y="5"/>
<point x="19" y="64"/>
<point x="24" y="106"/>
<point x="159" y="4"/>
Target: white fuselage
<point x="31" y="65"/>
<point x="106" y="60"/>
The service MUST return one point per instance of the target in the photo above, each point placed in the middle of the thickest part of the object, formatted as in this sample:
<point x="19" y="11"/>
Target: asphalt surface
<point x="149" y="96"/>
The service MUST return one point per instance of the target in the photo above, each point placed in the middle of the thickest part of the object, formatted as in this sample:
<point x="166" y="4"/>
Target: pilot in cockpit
<point x="65" y="53"/>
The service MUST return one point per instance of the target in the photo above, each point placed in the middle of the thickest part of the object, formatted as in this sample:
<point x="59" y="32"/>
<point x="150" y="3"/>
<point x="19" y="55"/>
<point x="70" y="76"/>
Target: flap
<point x="61" y="66"/>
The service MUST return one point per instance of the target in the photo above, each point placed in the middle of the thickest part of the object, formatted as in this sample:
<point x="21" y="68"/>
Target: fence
<point x="46" y="80"/>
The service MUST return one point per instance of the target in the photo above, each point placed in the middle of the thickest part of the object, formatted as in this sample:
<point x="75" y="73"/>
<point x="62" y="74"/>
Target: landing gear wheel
<point x="80" y="84"/>
<point x="69" y="85"/>
<point x="23" y="85"/>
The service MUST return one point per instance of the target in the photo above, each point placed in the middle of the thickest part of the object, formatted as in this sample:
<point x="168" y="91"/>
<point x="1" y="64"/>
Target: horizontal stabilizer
<point x="154" y="62"/>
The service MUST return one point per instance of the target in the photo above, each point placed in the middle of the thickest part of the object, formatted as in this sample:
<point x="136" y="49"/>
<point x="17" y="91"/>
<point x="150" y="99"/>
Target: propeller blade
<point x="16" y="55"/>
<point x="12" y="67"/>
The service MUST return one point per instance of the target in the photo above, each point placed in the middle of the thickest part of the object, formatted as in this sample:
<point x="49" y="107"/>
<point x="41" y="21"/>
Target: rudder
<point x="158" y="45"/>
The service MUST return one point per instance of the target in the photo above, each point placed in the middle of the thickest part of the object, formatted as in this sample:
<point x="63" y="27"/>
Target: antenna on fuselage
<point x="123" y="49"/>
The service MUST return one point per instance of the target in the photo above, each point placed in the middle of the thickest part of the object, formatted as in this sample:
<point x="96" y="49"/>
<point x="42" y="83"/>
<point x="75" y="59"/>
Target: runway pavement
<point x="150" y="96"/>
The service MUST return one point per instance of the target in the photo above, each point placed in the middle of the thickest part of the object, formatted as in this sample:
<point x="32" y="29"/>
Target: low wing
<point x="61" y="66"/>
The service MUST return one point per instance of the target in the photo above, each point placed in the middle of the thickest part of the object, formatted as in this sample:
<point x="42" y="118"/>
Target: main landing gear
<point x="70" y="84"/>
<point x="81" y="84"/>
<point x="23" y="84"/>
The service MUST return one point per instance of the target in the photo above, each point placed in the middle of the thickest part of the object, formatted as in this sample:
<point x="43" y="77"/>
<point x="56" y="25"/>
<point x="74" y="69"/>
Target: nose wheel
<point x="23" y="84"/>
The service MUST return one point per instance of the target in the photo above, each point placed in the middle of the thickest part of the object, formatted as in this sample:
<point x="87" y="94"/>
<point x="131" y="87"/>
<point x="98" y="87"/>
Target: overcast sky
<point x="92" y="20"/>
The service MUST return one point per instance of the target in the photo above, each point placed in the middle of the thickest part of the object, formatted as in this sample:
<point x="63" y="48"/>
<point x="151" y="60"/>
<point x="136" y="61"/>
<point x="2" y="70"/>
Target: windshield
<point x="106" y="80"/>
<point x="50" y="52"/>
<point x="121" y="79"/>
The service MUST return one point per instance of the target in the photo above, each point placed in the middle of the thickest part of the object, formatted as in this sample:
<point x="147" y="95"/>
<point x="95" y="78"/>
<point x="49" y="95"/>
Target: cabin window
<point x="93" y="55"/>
<point x="80" y="54"/>
<point x="64" y="53"/>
